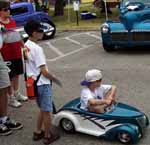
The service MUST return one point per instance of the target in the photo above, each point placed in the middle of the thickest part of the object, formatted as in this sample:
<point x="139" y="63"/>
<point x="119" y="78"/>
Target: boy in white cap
<point x="94" y="95"/>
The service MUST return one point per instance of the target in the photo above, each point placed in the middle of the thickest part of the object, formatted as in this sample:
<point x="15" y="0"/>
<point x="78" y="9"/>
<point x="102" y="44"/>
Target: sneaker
<point x="51" y="139"/>
<point x="20" y="97"/>
<point x="14" y="103"/>
<point x="12" y="124"/>
<point x="4" y="130"/>
<point x="38" y="136"/>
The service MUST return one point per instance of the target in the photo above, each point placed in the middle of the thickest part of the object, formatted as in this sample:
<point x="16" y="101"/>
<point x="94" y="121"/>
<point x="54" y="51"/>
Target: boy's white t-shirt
<point x="87" y="94"/>
<point x="36" y="58"/>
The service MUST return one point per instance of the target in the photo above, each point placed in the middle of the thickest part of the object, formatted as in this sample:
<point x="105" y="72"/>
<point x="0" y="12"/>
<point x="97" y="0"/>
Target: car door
<point x="20" y="13"/>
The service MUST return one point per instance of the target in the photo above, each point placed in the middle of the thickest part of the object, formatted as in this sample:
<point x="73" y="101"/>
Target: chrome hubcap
<point x="67" y="124"/>
<point x="124" y="137"/>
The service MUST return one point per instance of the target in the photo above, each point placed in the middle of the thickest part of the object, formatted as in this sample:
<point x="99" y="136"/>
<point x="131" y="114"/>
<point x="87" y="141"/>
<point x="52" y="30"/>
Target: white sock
<point x="16" y="92"/>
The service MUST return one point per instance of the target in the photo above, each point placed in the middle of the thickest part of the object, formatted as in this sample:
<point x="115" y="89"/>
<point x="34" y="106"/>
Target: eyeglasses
<point x="5" y="9"/>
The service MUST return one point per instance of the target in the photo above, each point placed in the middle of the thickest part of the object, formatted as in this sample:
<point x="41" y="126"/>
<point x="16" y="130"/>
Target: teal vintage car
<point x="132" y="29"/>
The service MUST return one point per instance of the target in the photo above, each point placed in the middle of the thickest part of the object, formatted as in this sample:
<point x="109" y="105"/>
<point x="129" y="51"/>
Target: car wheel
<point x="67" y="125"/>
<point x="108" y="48"/>
<point x="49" y="25"/>
<point x="124" y="137"/>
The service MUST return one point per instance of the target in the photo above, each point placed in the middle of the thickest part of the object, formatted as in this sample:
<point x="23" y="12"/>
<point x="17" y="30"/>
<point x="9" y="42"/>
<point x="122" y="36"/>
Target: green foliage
<point x="68" y="20"/>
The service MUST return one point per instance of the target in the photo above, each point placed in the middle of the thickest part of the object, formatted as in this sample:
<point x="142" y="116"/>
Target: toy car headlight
<point x="105" y="28"/>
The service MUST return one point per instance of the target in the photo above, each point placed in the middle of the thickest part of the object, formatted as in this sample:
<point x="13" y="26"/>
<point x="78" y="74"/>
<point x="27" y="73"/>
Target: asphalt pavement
<point x="69" y="56"/>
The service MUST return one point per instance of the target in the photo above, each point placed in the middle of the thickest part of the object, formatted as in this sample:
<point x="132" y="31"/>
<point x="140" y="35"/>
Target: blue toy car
<point x="24" y="11"/>
<point x="120" y="121"/>
<point x="133" y="29"/>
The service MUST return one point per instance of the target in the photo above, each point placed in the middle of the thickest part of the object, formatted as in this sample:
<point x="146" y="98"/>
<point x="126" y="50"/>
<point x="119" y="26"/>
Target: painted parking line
<point x="67" y="54"/>
<point x="74" y="41"/>
<point x="92" y="35"/>
<point x="69" y="38"/>
<point x="56" y="50"/>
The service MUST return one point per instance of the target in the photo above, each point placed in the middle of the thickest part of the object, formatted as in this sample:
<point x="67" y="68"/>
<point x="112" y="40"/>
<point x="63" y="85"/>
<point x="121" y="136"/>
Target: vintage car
<point x="120" y="121"/>
<point x="132" y="29"/>
<point x="24" y="11"/>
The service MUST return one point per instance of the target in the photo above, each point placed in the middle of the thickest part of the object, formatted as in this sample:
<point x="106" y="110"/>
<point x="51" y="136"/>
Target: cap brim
<point x="40" y="30"/>
<point x="84" y="83"/>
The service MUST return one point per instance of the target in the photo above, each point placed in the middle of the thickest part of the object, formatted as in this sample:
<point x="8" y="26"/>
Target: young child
<point x="11" y="53"/>
<point x="94" y="95"/>
<point x="36" y="64"/>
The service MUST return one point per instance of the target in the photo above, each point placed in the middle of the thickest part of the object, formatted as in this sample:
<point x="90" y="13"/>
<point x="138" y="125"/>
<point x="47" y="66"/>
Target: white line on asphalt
<point x="95" y="36"/>
<point x="76" y="42"/>
<point x="55" y="49"/>
<point x="67" y="54"/>
<point x="56" y="39"/>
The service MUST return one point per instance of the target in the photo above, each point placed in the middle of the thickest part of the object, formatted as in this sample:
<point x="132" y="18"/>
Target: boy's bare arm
<point x="50" y="76"/>
<point x="111" y="93"/>
<point x="94" y="102"/>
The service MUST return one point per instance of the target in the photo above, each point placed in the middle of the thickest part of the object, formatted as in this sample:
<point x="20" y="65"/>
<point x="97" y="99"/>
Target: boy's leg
<point x="110" y="96"/>
<point x="4" y="130"/>
<point x="39" y="132"/>
<point x="49" y="136"/>
<point x="39" y="122"/>
<point x="4" y="88"/>
<point x="96" y="109"/>
<point x="47" y="123"/>
<point x="3" y="102"/>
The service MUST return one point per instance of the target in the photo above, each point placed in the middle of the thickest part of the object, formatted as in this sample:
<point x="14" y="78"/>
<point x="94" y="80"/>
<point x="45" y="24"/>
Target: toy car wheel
<point x="108" y="48"/>
<point x="67" y="125"/>
<point x="124" y="137"/>
<point x="50" y="26"/>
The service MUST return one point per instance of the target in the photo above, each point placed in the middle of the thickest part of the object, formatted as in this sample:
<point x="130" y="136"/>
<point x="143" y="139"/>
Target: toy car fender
<point x="65" y="115"/>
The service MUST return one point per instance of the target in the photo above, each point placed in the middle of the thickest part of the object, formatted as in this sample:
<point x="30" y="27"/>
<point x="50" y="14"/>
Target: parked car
<point x="132" y="29"/>
<point x="24" y="11"/>
<point x="120" y="121"/>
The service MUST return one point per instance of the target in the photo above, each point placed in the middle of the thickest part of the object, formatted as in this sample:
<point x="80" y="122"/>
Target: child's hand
<point x="112" y="100"/>
<point x="108" y="102"/>
<point x="58" y="82"/>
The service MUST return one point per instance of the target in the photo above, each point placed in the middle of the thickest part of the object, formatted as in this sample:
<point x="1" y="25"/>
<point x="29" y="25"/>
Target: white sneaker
<point x="20" y="97"/>
<point x="14" y="103"/>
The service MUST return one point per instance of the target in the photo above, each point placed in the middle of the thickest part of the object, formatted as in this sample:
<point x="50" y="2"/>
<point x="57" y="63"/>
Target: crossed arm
<point x="108" y="99"/>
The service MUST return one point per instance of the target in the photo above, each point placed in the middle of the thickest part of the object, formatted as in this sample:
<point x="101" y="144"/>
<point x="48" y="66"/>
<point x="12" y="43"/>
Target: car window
<point x="18" y="11"/>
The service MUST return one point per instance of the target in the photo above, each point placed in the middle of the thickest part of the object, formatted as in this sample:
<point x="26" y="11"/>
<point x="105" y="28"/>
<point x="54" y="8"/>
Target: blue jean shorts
<point x="44" y="98"/>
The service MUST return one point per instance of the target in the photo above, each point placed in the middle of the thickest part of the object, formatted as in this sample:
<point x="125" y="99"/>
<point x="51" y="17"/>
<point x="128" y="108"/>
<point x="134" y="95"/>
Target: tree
<point x="59" y="8"/>
<point x="101" y="4"/>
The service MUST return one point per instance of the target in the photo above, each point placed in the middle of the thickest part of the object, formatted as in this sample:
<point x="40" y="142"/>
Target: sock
<point x="16" y="92"/>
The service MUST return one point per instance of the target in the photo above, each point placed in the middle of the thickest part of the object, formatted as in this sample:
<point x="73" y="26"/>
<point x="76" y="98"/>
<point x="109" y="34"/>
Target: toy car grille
<point x="141" y="36"/>
<point x="117" y="36"/>
<point x="142" y="121"/>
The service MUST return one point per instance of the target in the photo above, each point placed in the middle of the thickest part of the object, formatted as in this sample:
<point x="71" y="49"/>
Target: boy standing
<point x="36" y="64"/>
<point x="94" y="95"/>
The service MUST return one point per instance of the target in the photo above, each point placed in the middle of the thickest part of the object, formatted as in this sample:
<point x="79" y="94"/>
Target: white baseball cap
<point x="91" y="76"/>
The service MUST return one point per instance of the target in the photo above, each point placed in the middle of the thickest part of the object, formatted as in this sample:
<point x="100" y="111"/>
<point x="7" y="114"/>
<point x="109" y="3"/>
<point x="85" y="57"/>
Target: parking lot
<point x="69" y="56"/>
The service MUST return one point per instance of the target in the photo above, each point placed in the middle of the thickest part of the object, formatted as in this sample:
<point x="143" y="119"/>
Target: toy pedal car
<point x="120" y="121"/>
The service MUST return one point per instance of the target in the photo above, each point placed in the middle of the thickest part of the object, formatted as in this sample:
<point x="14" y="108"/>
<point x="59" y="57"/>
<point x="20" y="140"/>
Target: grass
<point x="69" y="22"/>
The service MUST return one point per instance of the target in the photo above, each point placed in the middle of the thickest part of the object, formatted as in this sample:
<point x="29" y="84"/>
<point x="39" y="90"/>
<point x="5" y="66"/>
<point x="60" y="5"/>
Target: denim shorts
<point x="44" y="98"/>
